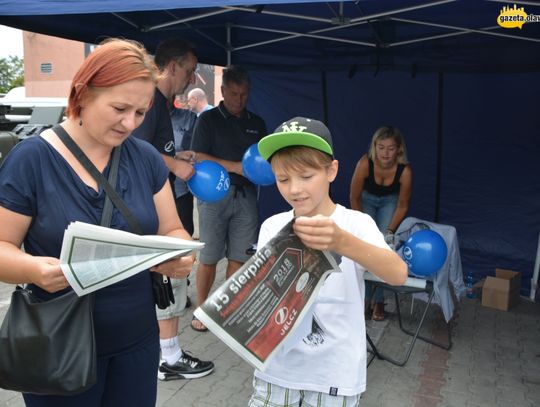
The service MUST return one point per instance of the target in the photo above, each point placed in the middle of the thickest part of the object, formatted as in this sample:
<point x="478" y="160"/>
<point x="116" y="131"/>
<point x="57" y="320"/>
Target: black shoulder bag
<point x="161" y="285"/>
<point x="48" y="347"/>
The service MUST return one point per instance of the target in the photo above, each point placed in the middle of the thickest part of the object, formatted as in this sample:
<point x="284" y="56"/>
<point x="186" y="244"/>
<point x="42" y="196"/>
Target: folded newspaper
<point x="94" y="257"/>
<point x="264" y="302"/>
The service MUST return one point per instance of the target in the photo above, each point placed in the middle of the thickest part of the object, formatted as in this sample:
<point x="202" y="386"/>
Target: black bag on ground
<point x="48" y="347"/>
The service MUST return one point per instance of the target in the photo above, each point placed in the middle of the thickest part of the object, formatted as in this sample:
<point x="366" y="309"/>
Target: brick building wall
<point x="49" y="64"/>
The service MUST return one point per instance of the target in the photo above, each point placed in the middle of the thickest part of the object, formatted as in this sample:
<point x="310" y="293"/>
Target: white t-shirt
<point x="332" y="358"/>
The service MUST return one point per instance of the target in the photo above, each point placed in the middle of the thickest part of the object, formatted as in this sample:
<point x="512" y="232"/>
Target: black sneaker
<point x="187" y="367"/>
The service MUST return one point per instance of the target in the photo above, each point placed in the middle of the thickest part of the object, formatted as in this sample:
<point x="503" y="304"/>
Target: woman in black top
<point x="381" y="187"/>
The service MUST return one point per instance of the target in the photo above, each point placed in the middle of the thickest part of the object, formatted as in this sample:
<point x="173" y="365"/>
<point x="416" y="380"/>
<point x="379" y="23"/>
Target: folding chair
<point x="436" y="287"/>
<point x="408" y="290"/>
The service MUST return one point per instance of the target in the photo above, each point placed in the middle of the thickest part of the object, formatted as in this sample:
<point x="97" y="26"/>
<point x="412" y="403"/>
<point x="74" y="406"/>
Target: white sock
<point x="170" y="350"/>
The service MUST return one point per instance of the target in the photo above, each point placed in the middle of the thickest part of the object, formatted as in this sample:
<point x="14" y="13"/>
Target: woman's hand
<point x="318" y="232"/>
<point x="178" y="267"/>
<point x="48" y="274"/>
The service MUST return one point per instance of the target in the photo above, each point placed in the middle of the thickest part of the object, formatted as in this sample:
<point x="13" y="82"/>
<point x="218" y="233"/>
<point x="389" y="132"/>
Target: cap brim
<point x="273" y="142"/>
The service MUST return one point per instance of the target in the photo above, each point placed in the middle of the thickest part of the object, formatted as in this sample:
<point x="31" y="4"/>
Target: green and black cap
<point x="299" y="131"/>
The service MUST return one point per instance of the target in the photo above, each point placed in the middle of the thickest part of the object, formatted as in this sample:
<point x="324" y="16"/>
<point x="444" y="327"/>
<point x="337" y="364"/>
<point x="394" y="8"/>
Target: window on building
<point x="46" y="67"/>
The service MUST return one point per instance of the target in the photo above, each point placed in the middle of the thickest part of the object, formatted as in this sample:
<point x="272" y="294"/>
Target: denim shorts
<point x="179" y="286"/>
<point x="380" y="208"/>
<point x="230" y="226"/>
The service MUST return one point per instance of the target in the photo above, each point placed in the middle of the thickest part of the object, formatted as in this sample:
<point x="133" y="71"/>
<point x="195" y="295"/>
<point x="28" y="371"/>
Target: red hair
<point x="114" y="62"/>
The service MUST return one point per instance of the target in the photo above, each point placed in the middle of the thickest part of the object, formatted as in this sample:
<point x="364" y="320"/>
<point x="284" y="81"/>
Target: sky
<point x="11" y="42"/>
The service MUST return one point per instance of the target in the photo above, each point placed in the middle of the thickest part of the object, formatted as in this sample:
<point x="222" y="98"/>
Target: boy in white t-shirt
<point x="327" y="367"/>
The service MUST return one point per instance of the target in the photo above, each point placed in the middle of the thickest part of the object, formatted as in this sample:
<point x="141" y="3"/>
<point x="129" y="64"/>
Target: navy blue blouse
<point x="35" y="180"/>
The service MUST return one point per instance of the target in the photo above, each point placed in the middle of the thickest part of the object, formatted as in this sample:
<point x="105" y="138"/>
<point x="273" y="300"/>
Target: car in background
<point x="16" y="108"/>
<point x="22" y="117"/>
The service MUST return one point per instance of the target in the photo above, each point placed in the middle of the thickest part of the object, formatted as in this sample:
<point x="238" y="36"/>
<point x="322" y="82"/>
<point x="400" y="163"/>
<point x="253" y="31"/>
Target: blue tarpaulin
<point x="463" y="90"/>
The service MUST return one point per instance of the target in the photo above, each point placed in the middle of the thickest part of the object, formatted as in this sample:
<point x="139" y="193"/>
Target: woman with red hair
<point x="43" y="188"/>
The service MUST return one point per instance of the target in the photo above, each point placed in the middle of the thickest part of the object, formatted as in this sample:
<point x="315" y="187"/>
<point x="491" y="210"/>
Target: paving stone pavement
<point x="494" y="362"/>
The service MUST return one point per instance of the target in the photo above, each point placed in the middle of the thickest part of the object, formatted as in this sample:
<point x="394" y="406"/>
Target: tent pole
<point x="440" y="101"/>
<point x="536" y="271"/>
<point x="228" y="47"/>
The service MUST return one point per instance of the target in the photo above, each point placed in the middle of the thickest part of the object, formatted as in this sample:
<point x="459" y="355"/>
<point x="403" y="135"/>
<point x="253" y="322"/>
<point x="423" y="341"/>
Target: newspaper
<point x="257" y="310"/>
<point x="94" y="257"/>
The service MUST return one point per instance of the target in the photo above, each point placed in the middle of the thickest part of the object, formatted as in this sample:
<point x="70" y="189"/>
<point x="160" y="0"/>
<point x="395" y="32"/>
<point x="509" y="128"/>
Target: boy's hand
<point x="318" y="232"/>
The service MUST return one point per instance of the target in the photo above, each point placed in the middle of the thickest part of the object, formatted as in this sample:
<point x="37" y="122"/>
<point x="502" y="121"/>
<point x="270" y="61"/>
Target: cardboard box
<point x="501" y="291"/>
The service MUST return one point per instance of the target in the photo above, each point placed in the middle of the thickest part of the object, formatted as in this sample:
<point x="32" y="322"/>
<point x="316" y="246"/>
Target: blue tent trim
<point x="367" y="35"/>
<point x="463" y="91"/>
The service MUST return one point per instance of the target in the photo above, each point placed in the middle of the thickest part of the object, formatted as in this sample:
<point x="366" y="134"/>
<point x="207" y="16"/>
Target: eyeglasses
<point x="190" y="72"/>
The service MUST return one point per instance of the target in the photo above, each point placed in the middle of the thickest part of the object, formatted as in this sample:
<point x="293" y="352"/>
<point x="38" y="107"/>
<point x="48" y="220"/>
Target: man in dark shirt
<point x="178" y="62"/>
<point x="183" y="123"/>
<point x="230" y="226"/>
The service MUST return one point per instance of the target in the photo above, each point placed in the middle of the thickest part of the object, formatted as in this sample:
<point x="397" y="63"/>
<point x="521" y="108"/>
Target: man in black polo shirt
<point x="230" y="226"/>
<point x="177" y="61"/>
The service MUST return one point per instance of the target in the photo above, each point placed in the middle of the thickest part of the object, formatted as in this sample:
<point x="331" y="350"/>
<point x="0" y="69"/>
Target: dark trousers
<point x="184" y="207"/>
<point x="125" y="379"/>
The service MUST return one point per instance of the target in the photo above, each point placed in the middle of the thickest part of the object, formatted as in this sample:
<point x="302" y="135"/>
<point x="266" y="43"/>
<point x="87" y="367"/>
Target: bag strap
<point x="106" y="215"/>
<point x="101" y="180"/>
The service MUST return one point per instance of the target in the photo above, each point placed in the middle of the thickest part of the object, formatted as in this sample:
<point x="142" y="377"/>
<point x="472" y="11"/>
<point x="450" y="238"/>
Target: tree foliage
<point x="11" y="73"/>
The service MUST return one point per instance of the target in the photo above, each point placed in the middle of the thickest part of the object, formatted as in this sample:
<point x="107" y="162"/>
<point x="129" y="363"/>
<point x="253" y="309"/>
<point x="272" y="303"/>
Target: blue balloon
<point x="424" y="252"/>
<point x="256" y="168"/>
<point x="211" y="181"/>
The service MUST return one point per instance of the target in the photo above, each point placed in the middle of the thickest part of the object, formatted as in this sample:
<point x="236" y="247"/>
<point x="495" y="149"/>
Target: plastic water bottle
<point x="469" y="283"/>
